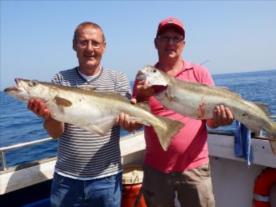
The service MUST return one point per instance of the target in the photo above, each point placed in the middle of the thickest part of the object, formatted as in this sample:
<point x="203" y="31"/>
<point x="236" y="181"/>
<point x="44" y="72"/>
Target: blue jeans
<point x="103" y="192"/>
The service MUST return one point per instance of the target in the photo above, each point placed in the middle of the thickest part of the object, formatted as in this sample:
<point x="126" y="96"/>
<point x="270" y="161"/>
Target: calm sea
<point x="17" y="124"/>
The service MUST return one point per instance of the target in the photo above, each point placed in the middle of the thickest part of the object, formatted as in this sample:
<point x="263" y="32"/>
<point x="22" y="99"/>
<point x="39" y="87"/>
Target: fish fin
<point x="223" y="88"/>
<point x="62" y="101"/>
<point x="87" y="87"/>
<point x="143" y="105"/>
<point x="201" y="110"/>
<point x="264" y="108"/>
<point x="168" y="93"/>
<point x="94" y="129"/>
<point x="226" y="90"/>
<point x="166" y="132"/>
<point x="170" y="96"/>
<point x="101" y="128"/>
<point x="112" y="95"/>
<point x="139" y="120"/>
<point x="107" y="125"/>
<point x="103" y="94"/>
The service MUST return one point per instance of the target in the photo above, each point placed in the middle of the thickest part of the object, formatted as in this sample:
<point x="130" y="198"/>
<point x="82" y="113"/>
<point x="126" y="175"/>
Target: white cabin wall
<point x="233" y="182"/>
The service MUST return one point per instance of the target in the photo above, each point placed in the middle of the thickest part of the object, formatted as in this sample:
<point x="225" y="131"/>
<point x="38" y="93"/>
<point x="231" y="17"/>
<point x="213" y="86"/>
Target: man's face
<point x="169" y="44"/>
<point x="89" y="46"/>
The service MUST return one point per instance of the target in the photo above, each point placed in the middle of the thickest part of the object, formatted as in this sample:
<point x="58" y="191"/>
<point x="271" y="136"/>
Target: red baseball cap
<point x="171" y="22"/>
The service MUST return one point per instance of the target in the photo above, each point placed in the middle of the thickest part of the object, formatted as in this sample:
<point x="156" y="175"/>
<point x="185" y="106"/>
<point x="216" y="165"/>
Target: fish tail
<point x="167" y="130"/>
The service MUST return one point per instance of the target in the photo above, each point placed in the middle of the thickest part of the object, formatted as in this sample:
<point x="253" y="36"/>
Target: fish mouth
<point x="11" y="89"/>
<point x="141" y="76"/>
<point x="21" y="83"/>
<point x="159" y="89"/>
<point x="18" y="81"/>
<point x="15" y="89"/>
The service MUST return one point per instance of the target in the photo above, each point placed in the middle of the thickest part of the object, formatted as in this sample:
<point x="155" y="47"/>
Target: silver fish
<point x="198" y="101"/>
<point x="94" y="111"/>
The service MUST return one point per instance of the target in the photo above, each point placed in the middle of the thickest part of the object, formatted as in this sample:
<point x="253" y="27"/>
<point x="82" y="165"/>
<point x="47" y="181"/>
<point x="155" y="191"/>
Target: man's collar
<point x="95" y="75"/>
<point x="186" y="66"/>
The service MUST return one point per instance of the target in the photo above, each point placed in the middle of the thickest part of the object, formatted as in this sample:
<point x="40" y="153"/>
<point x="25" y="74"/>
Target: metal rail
<point x="3" y="150"/>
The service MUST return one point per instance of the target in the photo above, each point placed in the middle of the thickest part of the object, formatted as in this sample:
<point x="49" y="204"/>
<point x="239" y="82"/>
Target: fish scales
<point x="198" y="101"/>
<point x="92" y="110"/>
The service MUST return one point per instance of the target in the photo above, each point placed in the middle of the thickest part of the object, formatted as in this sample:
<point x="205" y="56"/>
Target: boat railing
<point x="3" y="150"/>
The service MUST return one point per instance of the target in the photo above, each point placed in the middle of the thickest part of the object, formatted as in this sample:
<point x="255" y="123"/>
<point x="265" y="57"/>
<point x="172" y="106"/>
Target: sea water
<point x="18" y="124"/>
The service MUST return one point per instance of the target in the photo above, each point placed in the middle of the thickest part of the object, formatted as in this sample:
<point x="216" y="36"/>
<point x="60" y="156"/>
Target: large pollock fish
<point x="91" y="110"/>
<point x="199" y="100"/>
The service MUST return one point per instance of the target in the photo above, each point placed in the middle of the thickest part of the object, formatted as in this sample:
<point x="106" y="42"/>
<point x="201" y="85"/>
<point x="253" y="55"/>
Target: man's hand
<point x="124" y="120"/>
<point x="221" y="116"/>
<point x="39" y="108"/>
<point x="53" y="127"/>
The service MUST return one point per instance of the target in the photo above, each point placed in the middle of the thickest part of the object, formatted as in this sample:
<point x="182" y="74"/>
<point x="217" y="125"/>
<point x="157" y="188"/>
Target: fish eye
<point x="32" y="83"/>
<point x="154" y="70"/>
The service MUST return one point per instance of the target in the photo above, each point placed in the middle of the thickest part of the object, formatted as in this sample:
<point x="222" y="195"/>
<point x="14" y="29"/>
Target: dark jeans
<point x="103" y="192"/>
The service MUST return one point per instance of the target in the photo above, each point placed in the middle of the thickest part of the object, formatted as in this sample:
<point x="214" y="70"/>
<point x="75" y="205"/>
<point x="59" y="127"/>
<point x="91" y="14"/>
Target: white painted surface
<point x="16" y="179"/>
<point x="223" y="146"/>
<point x="233" y="180"/>
<point x="132" y="148"/>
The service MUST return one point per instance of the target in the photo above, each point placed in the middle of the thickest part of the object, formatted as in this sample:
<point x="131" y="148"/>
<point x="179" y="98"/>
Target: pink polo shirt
<point x="188" y="148"/>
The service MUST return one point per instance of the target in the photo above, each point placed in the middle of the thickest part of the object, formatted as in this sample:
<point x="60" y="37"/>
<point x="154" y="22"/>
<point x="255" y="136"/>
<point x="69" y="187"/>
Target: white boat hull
<point x="233" y="180"/>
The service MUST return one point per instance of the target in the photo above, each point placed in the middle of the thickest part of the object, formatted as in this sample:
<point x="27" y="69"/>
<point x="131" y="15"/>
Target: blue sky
<point x="230" y="36"/>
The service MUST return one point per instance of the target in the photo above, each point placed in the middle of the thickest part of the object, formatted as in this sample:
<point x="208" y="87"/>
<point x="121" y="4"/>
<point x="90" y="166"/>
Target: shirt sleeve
<point x="57" y="79"/>
<point x="205" y="76"/>
<point x="208" y="80"/>
<point x="122" y="85"/>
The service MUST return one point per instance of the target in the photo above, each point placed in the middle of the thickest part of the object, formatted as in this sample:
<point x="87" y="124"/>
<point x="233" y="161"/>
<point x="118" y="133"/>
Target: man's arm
<point x="54" y="128"/>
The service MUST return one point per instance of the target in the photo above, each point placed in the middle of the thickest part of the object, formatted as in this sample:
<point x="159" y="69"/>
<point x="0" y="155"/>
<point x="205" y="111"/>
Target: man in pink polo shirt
<point x="184" y="167"/>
